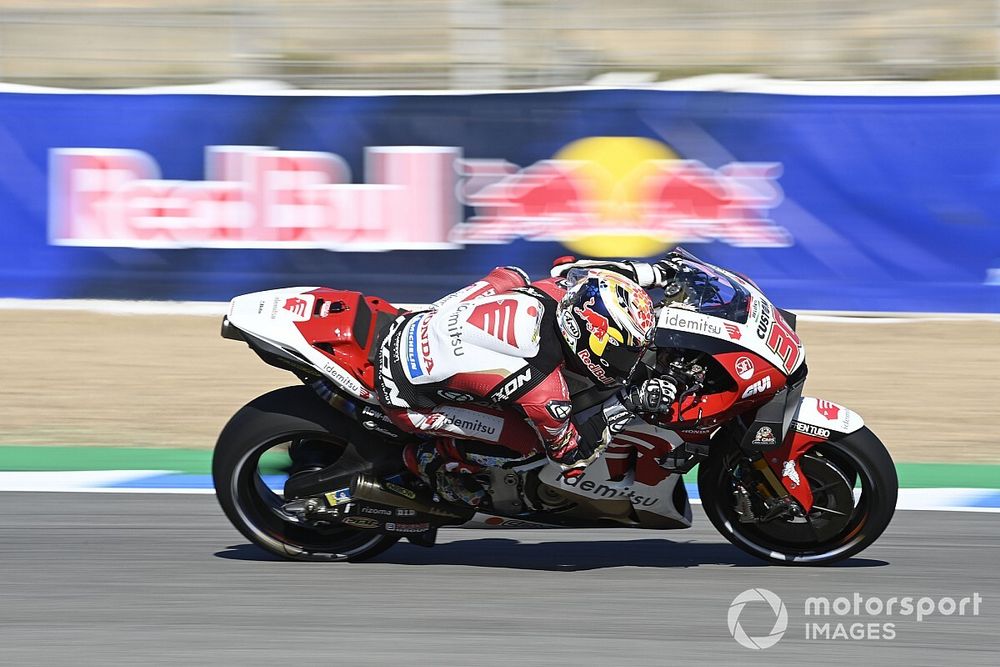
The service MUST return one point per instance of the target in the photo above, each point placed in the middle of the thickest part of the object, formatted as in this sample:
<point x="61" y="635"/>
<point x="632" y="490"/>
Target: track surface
<point x="161" y="579"/>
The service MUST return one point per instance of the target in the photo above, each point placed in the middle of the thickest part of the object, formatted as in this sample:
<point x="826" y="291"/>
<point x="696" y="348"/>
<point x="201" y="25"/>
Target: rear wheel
<point x="854" y="486"/>
<point x="256" y="450"/>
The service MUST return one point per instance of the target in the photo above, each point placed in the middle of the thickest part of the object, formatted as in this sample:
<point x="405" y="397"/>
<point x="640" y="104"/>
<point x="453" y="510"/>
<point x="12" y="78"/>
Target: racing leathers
<point x="486" y="364"/>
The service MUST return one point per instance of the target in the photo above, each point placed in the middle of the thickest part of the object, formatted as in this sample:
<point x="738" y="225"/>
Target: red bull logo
<point x="597" y="324"/>
<point x="621" y="196"/>
<point x="600" y="196"/>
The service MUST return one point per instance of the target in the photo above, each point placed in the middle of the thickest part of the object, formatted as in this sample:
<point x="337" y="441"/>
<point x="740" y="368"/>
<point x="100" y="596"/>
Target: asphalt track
<point x="163" y="579"/>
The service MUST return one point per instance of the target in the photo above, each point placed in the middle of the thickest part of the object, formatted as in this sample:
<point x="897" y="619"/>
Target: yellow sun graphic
<point x="616" y="169"/>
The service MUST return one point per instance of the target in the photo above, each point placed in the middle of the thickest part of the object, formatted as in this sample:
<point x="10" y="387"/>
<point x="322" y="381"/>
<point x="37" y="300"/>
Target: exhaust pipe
<point x="366" y="487"/>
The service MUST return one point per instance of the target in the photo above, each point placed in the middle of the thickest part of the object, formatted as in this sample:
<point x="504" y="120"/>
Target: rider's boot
<point x="441" y="464"/>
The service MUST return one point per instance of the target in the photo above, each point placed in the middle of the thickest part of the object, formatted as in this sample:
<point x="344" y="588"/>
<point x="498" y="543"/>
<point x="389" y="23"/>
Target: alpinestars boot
<point x="440" y="464"/>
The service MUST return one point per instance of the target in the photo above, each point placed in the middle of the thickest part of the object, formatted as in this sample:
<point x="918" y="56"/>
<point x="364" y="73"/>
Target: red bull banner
<point x="600" y="195"/>
<point x="831" y="203"/>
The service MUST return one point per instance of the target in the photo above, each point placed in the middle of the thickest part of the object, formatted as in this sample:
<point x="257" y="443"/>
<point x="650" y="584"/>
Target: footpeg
<point x="683" y="458"/>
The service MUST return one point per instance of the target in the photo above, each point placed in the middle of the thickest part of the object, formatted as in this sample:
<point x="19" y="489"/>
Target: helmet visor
<point x="621" y="358"/>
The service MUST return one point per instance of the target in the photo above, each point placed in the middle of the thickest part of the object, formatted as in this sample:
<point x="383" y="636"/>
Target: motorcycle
<point x="314" y="471"/>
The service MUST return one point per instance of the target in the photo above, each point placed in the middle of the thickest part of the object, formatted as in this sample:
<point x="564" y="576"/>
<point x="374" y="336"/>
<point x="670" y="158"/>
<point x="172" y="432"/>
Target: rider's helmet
<point x="606" y="321"/>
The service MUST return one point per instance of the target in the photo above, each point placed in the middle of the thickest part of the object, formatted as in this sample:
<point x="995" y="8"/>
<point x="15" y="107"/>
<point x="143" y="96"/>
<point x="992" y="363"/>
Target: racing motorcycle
<point x="314" y="471"/>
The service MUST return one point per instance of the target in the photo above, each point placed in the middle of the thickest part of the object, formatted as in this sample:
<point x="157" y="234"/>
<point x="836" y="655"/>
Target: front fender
<point x="815" y="420"/>
<point x="826" y="416"/>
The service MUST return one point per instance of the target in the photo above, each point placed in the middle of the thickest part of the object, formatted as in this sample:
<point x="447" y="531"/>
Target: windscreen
<point x="708" y="291"/>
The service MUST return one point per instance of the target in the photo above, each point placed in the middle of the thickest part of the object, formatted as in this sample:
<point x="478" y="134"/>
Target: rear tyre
<point x="285" y="417"/>
<point x="854" y="486"/>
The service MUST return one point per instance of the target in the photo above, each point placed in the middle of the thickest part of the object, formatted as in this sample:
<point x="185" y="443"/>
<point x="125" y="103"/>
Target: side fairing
<point x="628" y="471"/>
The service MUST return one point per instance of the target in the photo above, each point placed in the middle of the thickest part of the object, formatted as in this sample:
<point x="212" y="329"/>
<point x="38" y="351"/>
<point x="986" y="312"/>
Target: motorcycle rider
<point x="491" y="365"/>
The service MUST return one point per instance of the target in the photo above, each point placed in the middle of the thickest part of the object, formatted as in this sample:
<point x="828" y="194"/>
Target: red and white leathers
<point x="486" y="363"/>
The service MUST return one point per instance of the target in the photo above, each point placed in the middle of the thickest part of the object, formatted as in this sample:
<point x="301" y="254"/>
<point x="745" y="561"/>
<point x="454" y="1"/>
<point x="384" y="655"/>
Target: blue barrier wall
<point x="840" y="203"/>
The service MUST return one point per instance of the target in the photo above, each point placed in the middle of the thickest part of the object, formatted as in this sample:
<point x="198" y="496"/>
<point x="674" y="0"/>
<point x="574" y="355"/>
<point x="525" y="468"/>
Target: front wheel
<point x="262" y="438"/>
<point x="854" y="486"/>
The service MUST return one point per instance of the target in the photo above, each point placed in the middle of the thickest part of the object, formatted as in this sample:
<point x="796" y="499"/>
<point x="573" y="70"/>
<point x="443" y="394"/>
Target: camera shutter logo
<point x="777" y="607"/>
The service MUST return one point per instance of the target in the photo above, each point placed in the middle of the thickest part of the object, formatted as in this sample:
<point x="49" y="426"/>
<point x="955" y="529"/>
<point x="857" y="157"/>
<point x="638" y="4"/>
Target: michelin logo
<point x="413" y="349"/>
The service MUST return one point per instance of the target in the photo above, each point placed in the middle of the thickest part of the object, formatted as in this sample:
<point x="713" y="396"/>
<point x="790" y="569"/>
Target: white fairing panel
<point x="827" y="416"/>
<point x="595" y="483"/>
<point x="481" y="520"/>
<point x="271" y="316"/>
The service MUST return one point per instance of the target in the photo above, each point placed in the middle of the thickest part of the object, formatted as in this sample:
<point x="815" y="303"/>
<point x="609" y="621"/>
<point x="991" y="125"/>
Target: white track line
<point x="923" y="507"/>
<point x="71" y="480"/>
<point x="100" y="481"/>
<point x="733" y="83"/>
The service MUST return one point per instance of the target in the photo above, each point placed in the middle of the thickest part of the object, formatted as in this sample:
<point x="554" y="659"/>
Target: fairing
<point x="330" y="331"/>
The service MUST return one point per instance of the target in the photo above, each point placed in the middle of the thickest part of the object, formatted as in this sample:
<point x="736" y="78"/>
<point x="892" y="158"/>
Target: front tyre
<point x="854" y="487"/>
<point x="278" y="422"/>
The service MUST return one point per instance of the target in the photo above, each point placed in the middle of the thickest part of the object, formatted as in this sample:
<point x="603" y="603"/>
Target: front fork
<point x="814" y="422"/>
<point x="759" y="495"/>
<point x="776" y="477"/>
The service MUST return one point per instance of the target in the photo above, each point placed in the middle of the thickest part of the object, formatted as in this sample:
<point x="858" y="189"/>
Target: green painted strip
<point x="40" y="458"/>
<point x="104" y="458"/>
<point x="199" y="461"/>
<point x="935" y="475"/>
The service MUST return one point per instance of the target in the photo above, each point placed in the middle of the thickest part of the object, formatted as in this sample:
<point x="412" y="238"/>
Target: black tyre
<point x="273" y="423"/>
<point x="854" y="487"/>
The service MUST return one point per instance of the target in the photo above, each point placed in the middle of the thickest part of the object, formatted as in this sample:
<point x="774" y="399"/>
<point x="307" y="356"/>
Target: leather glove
<point x="659" y="274"/>
<point x="653" y="395"/>
<point x="663" y="273"/>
